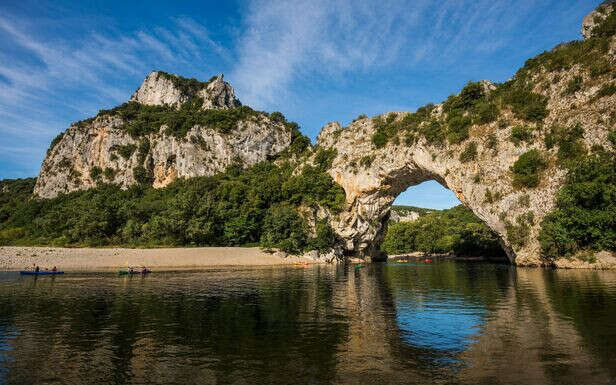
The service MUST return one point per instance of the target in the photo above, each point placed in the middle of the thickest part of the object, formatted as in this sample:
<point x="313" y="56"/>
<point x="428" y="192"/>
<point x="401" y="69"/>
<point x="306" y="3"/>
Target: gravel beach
<point x="91" y="259"/>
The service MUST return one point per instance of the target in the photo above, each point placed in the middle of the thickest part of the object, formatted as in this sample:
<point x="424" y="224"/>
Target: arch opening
<point x="423" y="215"/>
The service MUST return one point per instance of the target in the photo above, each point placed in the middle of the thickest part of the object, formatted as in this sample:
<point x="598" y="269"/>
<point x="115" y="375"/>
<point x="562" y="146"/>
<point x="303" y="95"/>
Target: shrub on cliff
<point x="527" y="169"/>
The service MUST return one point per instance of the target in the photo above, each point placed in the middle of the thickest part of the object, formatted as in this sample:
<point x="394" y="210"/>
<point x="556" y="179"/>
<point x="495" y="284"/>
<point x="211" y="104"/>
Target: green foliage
<point x="521" y="134"/>
<point x="366" y="161"/>
<point x="585" y="214"/>
<point x="486" y="112"/>
<point x="524" y="103"/>
<point x="470" y="95"/>
<point x="527" y="169"/>
<point x="606" y="90"/>
<point x="405" y="209"/>
<point x="109" y="173"/>
<point x="284" y="228"/>
<point x="574" y="85"/>
<point x="491" y="197"/>
<point x="455" y="230"/>
<point x="360" y="117"/>
<point x="325" y="237"/>
<point x="324" y="158"/>
<point x="457" y="126"/>
<point x="612" y="138"/>
<point x="238" y="207"/>
<point x="141" y="120"/>
<point x="469" y="153"/>
<point x="518" y="233"/>
<point x="565" y="56"/>
<point x="569" y="142"/>
<point x="125" y="151"/>
<point x="382" y="133"/>
<point x="492" y="142"/>
<point x="95" y="172"/>
<point x="414" y="125"/>
<point x="600" y="67"/>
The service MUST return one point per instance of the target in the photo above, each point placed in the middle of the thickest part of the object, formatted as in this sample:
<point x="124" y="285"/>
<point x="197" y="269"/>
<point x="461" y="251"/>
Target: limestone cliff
<point x="113" y="147"/>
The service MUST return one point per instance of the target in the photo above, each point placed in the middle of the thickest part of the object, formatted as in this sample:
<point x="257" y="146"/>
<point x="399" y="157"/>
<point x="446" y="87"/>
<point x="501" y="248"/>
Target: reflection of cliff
<point x="526" y="341"/>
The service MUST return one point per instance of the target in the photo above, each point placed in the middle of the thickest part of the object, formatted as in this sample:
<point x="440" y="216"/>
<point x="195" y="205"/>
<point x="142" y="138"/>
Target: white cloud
<point x="286" y="40"/>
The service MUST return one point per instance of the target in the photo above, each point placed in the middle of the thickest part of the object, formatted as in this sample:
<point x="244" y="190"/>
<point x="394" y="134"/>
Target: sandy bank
<point x="17" y="258"/>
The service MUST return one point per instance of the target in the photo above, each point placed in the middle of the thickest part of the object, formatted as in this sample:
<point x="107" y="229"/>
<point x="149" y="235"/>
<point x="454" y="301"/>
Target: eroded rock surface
<point x="100" y="151"/>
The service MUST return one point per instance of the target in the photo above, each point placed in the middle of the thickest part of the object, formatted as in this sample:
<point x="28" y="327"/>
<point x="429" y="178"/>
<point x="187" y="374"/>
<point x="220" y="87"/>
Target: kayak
<point x="40" y="272"/>
<point x="127" y="272"/>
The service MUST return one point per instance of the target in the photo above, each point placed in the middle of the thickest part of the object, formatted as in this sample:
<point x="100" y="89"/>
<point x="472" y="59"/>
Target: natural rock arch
<point x="372" y="179"/>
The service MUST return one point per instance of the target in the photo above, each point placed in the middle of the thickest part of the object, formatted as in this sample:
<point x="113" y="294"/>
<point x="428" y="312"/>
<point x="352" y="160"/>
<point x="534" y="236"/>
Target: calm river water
<point x="438" y="323"/>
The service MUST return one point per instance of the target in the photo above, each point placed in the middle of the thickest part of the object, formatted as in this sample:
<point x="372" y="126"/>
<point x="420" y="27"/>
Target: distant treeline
<point x="457" y="231"/>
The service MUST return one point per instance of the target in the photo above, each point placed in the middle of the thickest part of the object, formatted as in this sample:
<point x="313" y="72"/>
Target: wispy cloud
<point x="287" y="40"/>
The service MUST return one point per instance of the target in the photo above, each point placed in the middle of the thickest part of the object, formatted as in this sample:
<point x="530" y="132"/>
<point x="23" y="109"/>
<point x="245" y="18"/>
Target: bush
<point x="517" y="234"/>
<point x="574" y="85"/>
<point x="284" y="228"/>
<point x="125" y="151"/>
<point x="585" y="213"/>
<point x="325" y="237"/>
<point x="606" y="90"/>
<point x="527" y="169"/>
<point x="95" y="172"/>
<point x="141" y="120"/>
<point x="612" y="138"/>
<point x="457" y="127"/>
<point x="366" y="161"/>
<point x="469" y="153"/>
<point x="569" y="142"/>
<point x="486" y="112"/>
<point x="55" y="141"/>
<point x="521" y="134"/>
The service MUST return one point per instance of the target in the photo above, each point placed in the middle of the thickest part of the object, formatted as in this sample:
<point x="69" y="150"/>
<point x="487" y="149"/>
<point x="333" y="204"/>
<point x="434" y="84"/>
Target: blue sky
<point x="316" y="61"/>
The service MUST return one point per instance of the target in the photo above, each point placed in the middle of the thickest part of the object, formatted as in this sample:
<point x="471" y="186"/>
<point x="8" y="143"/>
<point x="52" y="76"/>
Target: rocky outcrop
<point x="100" y="150"/>
<point x="596" y="17"/>
<point x="403" y="216"/>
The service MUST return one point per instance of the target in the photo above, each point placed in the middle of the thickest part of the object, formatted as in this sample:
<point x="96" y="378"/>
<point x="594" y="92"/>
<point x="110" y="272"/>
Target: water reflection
<point x="447" y="322"/>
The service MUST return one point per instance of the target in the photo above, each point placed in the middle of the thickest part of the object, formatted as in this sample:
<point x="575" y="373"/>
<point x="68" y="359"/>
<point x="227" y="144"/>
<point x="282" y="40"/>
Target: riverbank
<point x="90" y="259"/>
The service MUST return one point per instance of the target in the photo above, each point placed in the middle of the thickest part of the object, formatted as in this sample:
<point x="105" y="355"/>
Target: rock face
<point x="596" y="17"/>
<point x="403" y="216"/>
<point x="99" y="150"/>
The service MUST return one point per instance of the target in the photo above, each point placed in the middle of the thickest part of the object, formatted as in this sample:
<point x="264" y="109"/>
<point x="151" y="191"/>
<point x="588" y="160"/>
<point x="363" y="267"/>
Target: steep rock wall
<point x="99" y="150"/>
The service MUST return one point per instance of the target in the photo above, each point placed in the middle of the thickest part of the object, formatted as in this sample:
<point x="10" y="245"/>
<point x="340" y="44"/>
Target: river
<point x="419" y="323"/>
